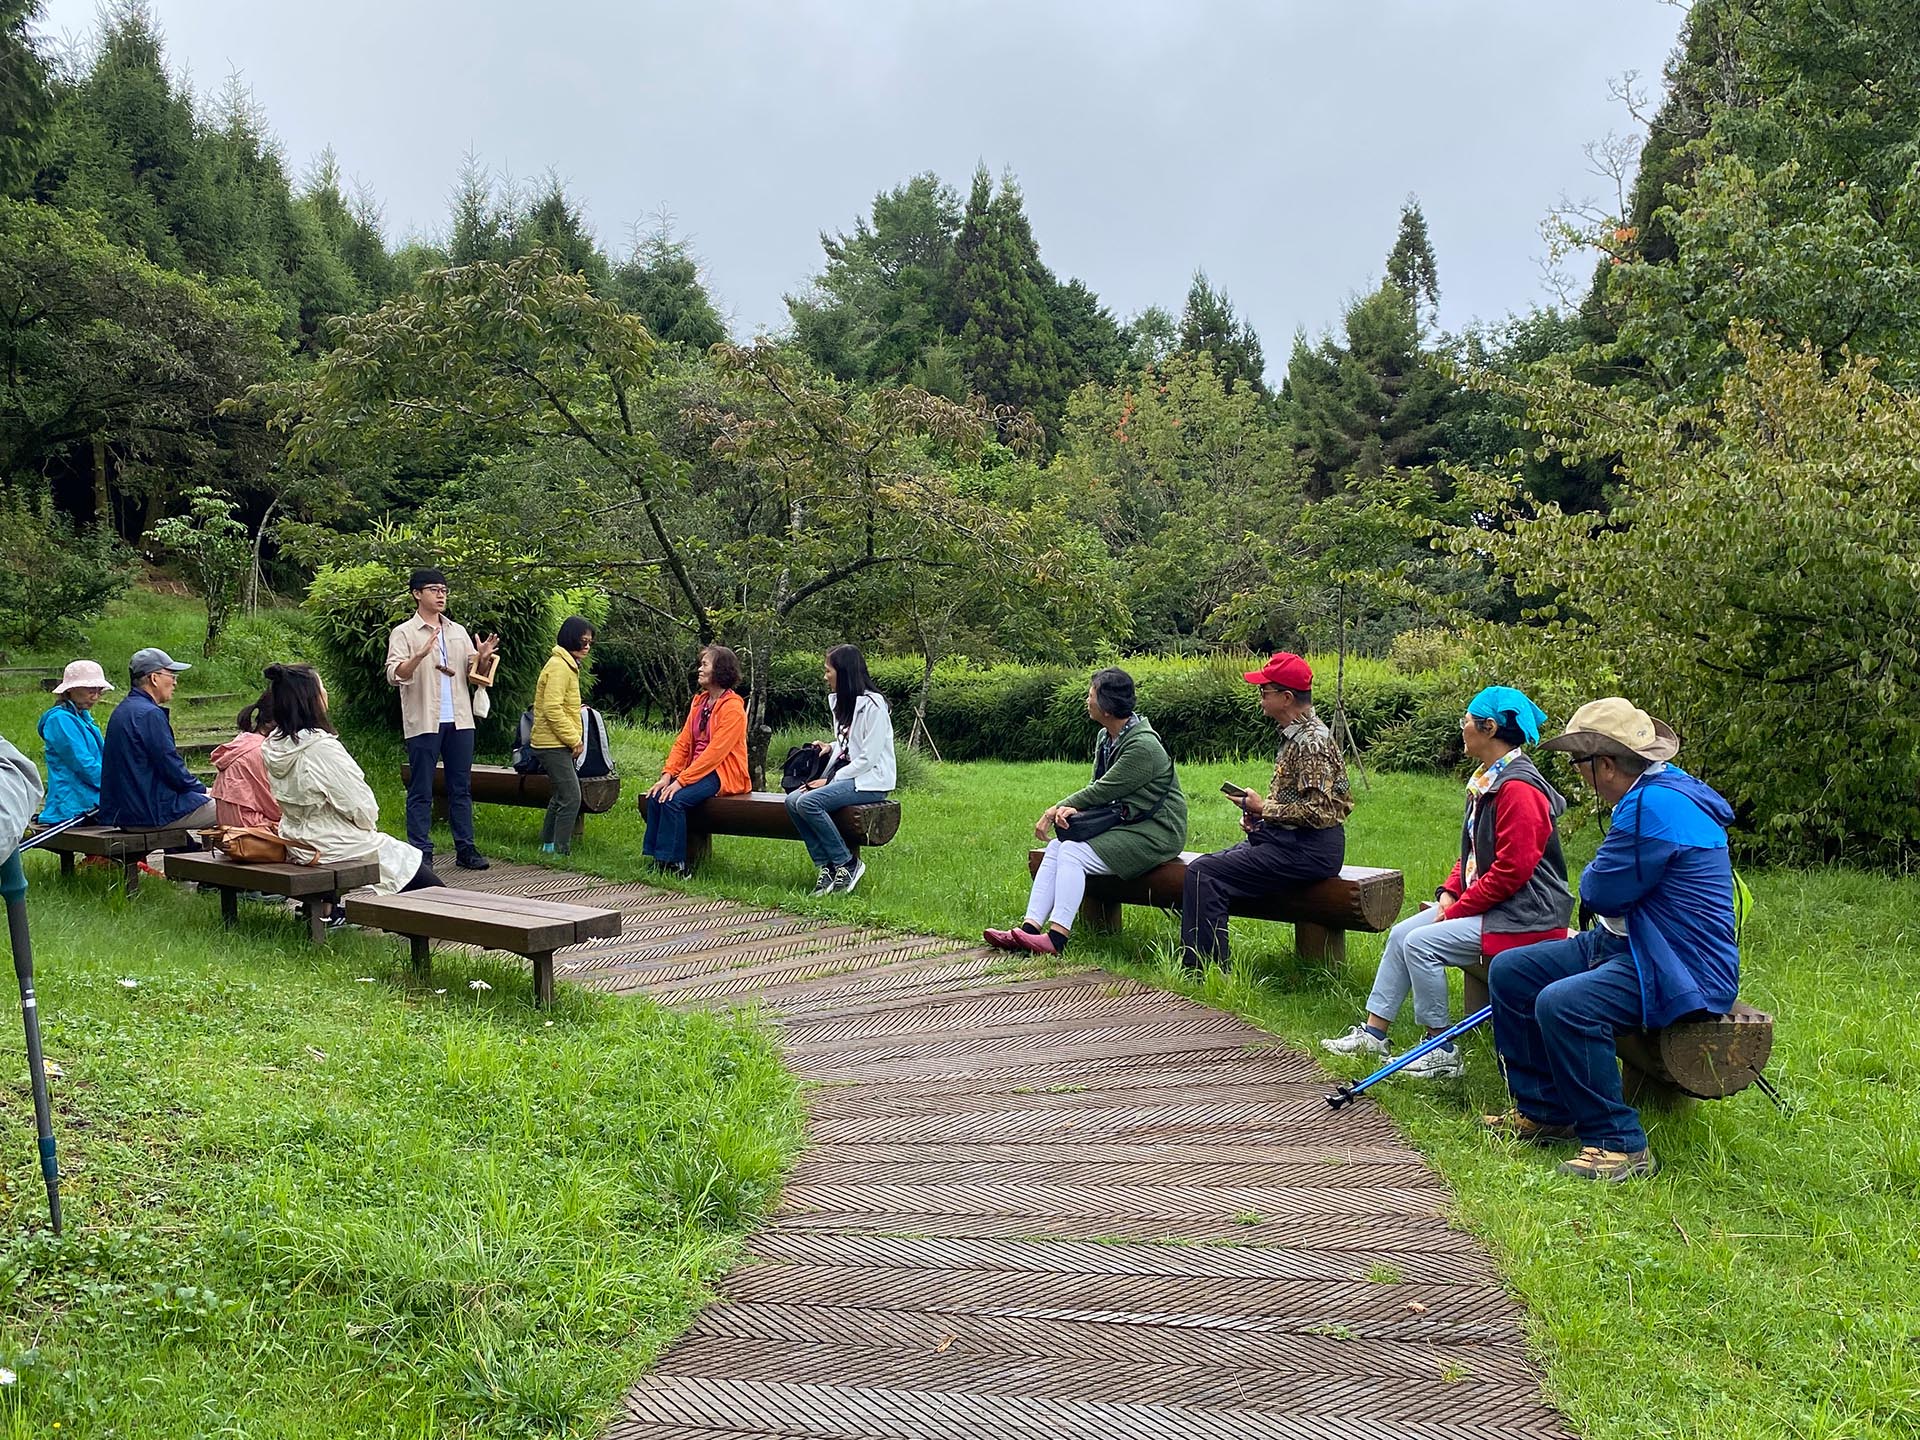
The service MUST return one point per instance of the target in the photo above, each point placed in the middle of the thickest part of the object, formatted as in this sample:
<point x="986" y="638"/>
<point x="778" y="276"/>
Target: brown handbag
<point x="253" y="845"/>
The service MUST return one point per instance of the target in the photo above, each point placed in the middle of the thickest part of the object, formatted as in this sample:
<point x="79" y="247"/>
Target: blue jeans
<point x="1556" y="1009"/>
<point x="453" y="749"/>
<point x="812" y="811"/>
<point x="667" y="819"/>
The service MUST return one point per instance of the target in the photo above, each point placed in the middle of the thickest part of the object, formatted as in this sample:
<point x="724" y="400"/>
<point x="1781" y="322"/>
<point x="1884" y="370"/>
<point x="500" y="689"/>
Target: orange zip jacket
<point x="726" y="750"/>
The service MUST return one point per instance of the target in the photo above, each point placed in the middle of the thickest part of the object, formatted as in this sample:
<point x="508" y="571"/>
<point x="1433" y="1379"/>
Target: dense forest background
<point x="1695" y="481"/>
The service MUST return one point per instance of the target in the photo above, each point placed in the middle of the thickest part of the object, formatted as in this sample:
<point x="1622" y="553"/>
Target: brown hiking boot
<point x="1524" y="1127"/>
<point x="1593" y="1163"/>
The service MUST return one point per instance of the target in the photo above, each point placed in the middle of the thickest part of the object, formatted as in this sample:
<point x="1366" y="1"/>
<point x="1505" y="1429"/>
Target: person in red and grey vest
<point x="1508" y="888"/>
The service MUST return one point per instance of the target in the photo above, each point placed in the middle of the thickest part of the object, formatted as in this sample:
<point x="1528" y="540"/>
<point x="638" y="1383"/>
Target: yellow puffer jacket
<point x="556" y="703"/>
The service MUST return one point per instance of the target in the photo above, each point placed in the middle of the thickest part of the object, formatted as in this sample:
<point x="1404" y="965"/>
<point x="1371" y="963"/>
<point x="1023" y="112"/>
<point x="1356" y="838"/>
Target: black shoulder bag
<point x="1098" y="819"/>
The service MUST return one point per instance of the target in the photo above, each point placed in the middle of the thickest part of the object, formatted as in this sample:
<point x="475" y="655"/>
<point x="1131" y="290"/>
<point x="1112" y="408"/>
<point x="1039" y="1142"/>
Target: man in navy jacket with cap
<point x="144" y="784"/>
<point x="1663" y="945"/>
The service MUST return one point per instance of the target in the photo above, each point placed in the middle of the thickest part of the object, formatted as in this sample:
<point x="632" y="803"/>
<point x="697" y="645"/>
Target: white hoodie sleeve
<point x="869" y="745"/>
<point x="337" y="775"/>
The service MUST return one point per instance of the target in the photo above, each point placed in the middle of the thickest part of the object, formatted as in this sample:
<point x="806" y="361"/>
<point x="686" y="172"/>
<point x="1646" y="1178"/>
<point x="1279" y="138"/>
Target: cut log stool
<point x="1360" y="897"/>
<point x="764" y="813"/>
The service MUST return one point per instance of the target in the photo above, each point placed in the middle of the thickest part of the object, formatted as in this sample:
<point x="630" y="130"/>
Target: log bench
<point x="1703" y="1057"/>
<point x="315" y="887"/>
<point x="763" y="813"/>
<point x="532" y="929"/>
<point x="125" y="848"/>
<point x="504" y="785"/>
<point x="1360" y="897"/>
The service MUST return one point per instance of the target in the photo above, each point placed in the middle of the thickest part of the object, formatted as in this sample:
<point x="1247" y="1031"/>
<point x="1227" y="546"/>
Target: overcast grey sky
<point x="1271" y="143"/>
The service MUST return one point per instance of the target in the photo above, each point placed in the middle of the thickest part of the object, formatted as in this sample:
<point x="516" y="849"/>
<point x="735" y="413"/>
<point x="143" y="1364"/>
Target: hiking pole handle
<point x="13" y="887"/>
<point x="1341" y="1095"/>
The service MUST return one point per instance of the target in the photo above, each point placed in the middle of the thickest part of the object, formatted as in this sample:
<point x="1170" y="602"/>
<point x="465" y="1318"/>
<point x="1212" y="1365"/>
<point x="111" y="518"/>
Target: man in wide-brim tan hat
<point x="1663" y="946"/>
<point x="73" y="744"/>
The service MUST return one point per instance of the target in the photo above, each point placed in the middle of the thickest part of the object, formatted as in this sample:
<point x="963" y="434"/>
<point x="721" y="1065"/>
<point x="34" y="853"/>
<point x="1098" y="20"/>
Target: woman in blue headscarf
<point x="1508" y="888"/>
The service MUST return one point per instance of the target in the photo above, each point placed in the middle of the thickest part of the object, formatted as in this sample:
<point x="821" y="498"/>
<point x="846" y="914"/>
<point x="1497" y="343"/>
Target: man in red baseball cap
<point x="1296" y="832"/>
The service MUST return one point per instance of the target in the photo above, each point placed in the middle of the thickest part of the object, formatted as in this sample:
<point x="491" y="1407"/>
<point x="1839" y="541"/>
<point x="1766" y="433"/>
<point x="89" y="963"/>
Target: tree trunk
<point x="250" y="597"/>
<point x="929" y="655"/>
<point x="102" y="504"/>
<point x="1340" y="696"/>
<point x="759" y="733"/>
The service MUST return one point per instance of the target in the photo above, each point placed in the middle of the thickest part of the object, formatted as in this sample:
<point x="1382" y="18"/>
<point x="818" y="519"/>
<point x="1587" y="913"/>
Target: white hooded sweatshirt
<point x="325" y="801"/>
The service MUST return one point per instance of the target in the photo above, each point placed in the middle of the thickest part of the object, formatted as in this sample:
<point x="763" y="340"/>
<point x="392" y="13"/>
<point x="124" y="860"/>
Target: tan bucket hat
<point x="1613" y="727"/>
<point x="82" y="675"/>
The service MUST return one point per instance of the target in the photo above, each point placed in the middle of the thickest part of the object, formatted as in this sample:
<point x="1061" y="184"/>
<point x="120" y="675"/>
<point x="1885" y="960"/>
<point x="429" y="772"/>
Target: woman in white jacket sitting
<point x="323" y="795"/>
<point x="862" y="748"/>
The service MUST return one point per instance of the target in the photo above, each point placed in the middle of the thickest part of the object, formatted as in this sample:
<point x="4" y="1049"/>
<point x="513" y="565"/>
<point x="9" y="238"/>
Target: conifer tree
<point x="1411" y="266"/>
<point x="1208" y="326"/>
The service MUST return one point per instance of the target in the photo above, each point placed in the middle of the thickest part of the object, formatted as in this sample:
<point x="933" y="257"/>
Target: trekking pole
<point x="13" y="885"/>
<point x="40" y="837"/>
<point x="1343" y="1094"/>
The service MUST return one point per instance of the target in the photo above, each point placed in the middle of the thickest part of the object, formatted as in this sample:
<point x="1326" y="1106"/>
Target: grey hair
<point x="1113" y="692"/>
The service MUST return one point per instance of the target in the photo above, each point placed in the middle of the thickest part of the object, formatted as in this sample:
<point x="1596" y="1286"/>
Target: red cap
<point x="1285" y="668"/>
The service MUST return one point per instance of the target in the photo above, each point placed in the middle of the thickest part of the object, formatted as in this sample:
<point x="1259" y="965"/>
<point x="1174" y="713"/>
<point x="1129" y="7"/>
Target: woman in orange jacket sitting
<point x="709" y="758"/>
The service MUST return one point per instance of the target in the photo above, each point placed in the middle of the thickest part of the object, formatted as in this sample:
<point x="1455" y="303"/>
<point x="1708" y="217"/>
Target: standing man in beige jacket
<point x="428" y="657"/>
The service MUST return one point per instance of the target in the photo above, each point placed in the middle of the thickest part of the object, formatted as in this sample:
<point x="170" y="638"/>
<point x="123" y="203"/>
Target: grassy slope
<point x="1761" y="1287"/>
<point x="304" y="1205"/>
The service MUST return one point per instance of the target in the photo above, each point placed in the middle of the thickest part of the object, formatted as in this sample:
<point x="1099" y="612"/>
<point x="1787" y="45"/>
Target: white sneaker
<point x="1357" y="1041"/>
<point x="1439" y="1063"/>
<point x="850" y="877"/>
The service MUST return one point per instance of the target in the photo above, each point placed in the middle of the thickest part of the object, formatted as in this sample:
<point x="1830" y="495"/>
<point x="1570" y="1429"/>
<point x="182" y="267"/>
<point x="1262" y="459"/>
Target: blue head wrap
<point x="1498" y="702"/>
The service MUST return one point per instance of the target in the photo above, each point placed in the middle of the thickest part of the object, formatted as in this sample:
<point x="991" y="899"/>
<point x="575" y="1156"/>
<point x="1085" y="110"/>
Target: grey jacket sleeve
<point x="20" y="796"/>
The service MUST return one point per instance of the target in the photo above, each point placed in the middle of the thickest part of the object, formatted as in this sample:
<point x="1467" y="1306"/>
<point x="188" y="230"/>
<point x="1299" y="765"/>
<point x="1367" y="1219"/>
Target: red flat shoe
<point x="1001" y="939"/>
<point x="1041" y="944"/>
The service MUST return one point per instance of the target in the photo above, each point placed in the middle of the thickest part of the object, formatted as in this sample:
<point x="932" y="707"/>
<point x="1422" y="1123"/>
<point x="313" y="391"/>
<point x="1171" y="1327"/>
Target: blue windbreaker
<point x="144" y="784"/>
<point x="73" y="747"/>
<point x="1664" y="867"/>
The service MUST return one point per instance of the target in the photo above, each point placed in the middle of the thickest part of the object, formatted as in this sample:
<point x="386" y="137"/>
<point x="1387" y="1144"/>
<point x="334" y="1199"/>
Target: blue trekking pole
<point x="13" y="885"/>
<point x="1340" y="1095"/>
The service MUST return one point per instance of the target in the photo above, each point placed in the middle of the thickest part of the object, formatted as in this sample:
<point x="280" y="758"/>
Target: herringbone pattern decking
<point x="1054" y="1206"/>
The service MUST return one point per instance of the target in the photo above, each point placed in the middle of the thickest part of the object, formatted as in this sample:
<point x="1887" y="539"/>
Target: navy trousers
<point x="453" y="749"/>
<point x="667" y="820"/>
<point x="1268" y="860"/>
<point x="1556" y="1008"/>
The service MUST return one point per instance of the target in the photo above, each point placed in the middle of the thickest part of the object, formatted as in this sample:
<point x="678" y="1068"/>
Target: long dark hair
<point x="850" y="681"/>
<point x="573" y="631"/>
<point x="257" y="716"/>
<point x="294" y="692"/>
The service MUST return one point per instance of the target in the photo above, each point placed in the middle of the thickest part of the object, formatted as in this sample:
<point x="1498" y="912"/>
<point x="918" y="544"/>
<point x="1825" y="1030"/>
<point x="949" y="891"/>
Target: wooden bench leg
<point x="130" y="875"/>
<point x="542" y="980"/>
<point x="229" y="906"/>
<point x="699" y="848"/>
<point x="579" y="826"/>
<point x="1101" y="917"/>
<point x="312" y="911"/>
<point x="422" y="955"/>
<point x="66" y="863"/>
<point x="1320" y="944"/>
<point x="1474" y="988"/>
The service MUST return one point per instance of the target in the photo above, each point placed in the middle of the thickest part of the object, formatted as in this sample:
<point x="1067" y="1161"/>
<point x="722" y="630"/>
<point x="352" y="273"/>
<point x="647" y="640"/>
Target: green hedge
<point x="1028" y="712"/>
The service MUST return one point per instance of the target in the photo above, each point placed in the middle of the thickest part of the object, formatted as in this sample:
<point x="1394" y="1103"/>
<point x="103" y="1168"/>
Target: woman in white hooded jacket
<point x="862" y="748"/>
<point x="323" y="795"/>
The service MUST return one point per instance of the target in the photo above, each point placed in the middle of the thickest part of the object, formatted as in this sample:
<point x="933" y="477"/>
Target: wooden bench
<point x="316" y="887"/>
<point x="125" y="848"/>
<point x="763" y="813"/>
<point x="533" y="929"/>
<point x="504" y="785"/>
<point x="1360" y="897"/>
<point x="1704" y="1057"/>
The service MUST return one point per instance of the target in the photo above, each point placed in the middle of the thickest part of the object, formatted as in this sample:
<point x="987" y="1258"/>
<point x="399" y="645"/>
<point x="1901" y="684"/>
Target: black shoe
<point x="472" y="860"/>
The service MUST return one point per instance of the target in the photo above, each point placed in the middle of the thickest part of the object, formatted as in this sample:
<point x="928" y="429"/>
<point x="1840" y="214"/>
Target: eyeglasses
<point x="433" y="589"/>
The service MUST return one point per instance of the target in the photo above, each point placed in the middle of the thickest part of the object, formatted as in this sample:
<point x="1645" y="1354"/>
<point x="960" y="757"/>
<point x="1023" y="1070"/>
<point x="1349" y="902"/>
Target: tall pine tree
<point x="1411" y="266"/>
<point x="1208" y="326"/>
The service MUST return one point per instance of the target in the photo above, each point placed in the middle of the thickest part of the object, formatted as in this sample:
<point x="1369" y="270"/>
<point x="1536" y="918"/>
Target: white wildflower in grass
<point x="126" y="984"/>
<point x="363" y="979"/>
<point x="478" y="985"/>
<point x="7" y="1377"/>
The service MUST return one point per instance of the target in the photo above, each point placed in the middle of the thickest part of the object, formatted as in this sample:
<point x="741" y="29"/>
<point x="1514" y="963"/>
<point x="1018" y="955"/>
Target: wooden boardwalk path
<point x="1054" y="1206"/>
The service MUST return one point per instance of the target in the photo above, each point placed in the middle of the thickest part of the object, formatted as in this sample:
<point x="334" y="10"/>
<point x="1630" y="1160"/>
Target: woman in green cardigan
<point x="1131" y="769"/>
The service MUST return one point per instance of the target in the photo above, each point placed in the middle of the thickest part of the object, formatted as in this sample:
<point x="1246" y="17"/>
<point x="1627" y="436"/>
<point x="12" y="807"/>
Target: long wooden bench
<point x="315" y="887"/>
<point x="532" y="929"/>
<point x="504" y="785"/>
<point x="763" y="814"/>
<point x="1360" y="897"/>
<point x="1704" y="1057"/>
<point x="125" y="848"/>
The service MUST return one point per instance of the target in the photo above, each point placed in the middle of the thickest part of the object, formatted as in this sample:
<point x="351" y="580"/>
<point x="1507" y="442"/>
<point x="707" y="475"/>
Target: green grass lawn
<point x="1761" y="1286"/>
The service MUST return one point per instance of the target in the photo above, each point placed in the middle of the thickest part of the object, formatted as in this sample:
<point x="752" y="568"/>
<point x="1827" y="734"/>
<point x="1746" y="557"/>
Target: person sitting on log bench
<point x="1507" y="889"/>
<point x="1296" y="832"/>
<point x="325" y="801"/>
<point x="1137" y="815"/>
<point x="144" y="784"/>
<point x="859" y="769"/>
<point x="1664" y="947"/>
<point x="708" y="758"/>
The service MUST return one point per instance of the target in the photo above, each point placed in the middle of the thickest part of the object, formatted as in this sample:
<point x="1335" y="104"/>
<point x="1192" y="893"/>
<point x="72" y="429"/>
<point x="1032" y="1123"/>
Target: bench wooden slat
<point x="126" y="848"/>
<point x="451" y="919"/>
<point x="287" y="879"/>
<point x="592" y="923"/>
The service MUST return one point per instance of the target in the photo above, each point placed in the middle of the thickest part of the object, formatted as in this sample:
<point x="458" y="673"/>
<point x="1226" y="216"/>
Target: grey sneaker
<point x="1441" y="1063"/>
<point x="848" y="876"/>
<point x="826" y="881"/>
<point x="1357" y="1041"/>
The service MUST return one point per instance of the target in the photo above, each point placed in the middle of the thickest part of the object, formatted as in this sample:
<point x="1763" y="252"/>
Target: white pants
<point x="1060" y="884"/>
<point x="1418" y="951"/>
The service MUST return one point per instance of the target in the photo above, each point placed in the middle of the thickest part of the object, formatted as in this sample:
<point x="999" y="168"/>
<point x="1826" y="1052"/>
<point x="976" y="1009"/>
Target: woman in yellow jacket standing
<point x="559" y="739"/>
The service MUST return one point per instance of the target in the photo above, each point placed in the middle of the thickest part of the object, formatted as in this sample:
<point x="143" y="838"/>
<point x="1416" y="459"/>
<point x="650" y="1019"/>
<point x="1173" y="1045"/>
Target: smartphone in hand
<point x="1232" y="791"/>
